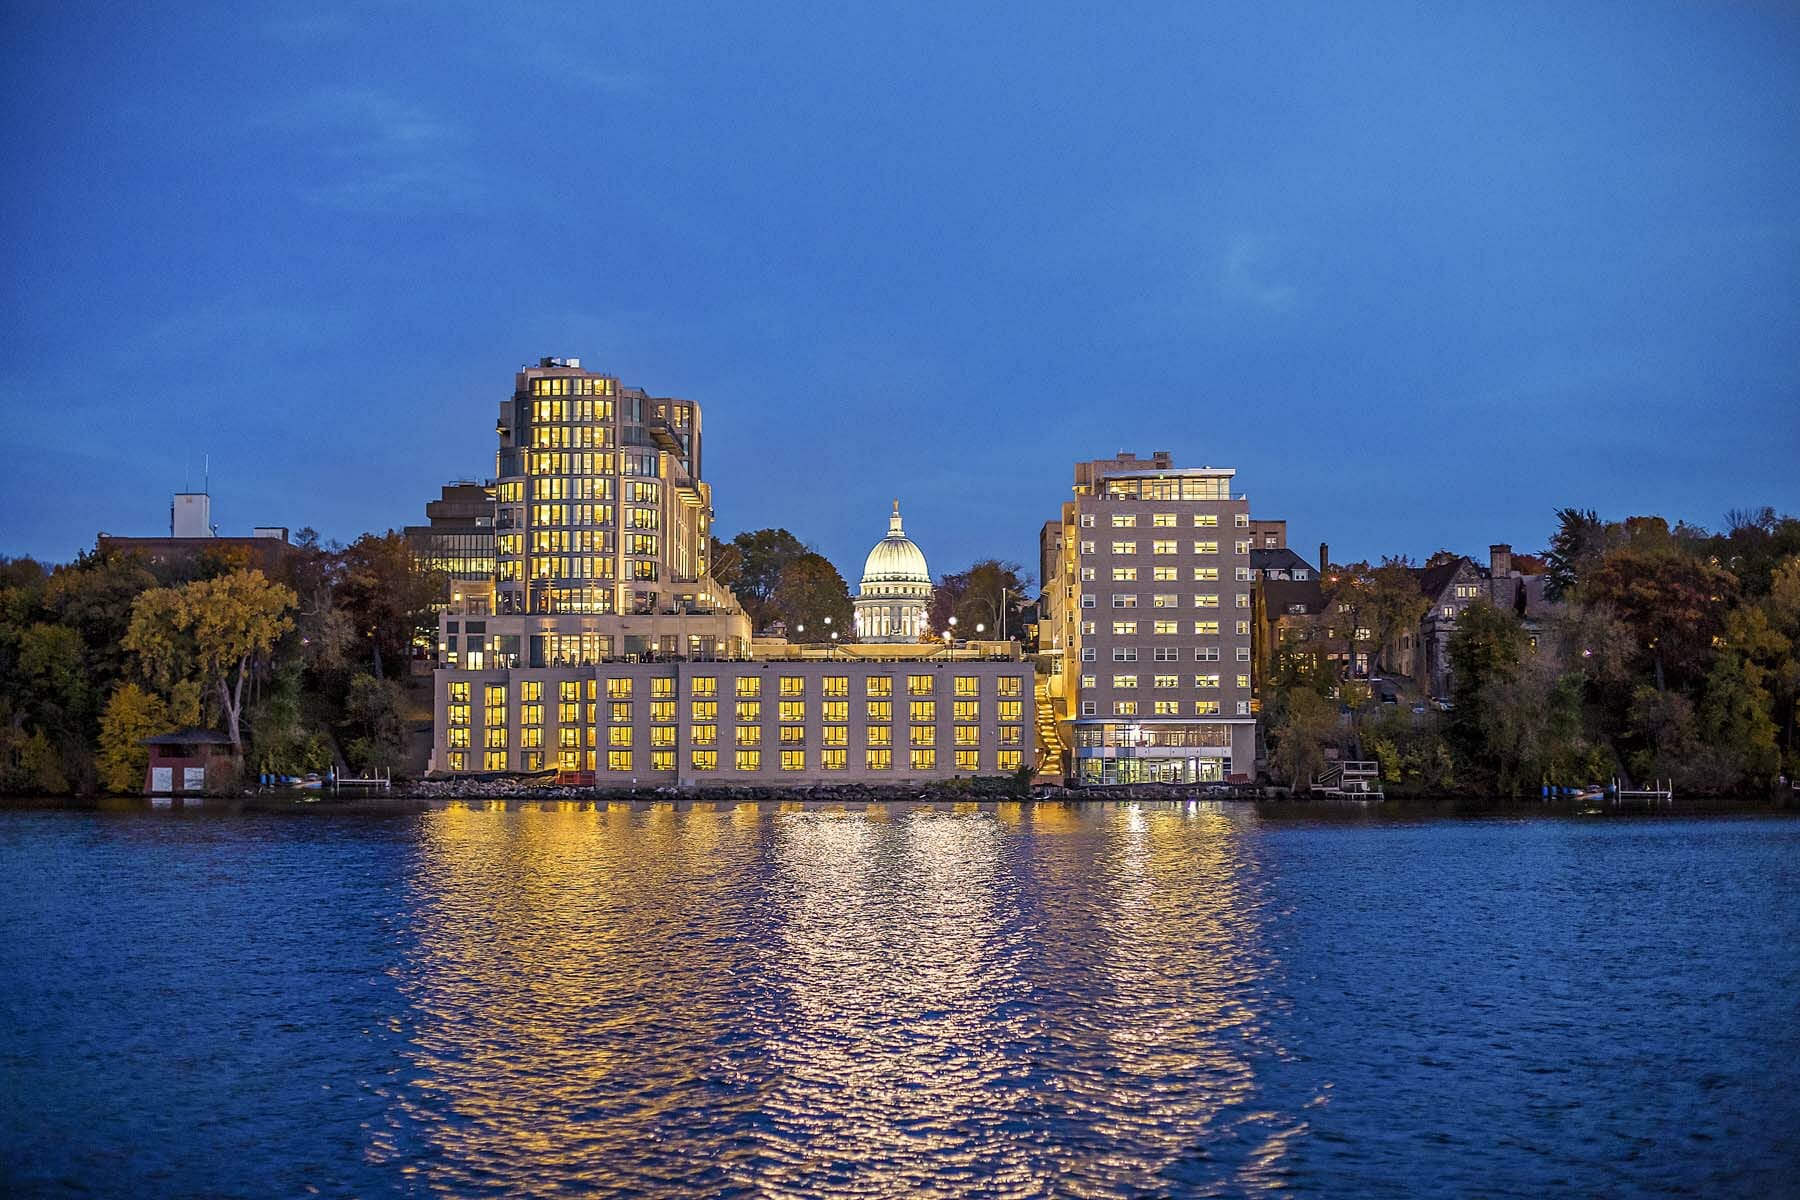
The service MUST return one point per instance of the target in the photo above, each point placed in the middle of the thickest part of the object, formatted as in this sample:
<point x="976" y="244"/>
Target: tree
<point x="1307" y="727"/>
<point x="1349" y="590"/>
<point x="93" y="596"/>
<point x="212" y="633"/>
<point x="1673" y="604"/>
<point x="1395" y="603"/>
<point x="132" y="714"/>
<point x="1577" y="544"/>
<point x="991" y="593"/>
<point x="810" y="590"/>
<point x="1736" y="715"/>
<point x="1484" y="650"/>
<point x="388" y="597"/>
<point x="762" y="555"/>
<point x="375" y="715"/>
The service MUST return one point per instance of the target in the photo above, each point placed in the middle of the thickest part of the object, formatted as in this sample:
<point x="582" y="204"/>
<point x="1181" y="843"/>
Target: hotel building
<point x="1147" y="624"/>
<point x="602" y="648"/>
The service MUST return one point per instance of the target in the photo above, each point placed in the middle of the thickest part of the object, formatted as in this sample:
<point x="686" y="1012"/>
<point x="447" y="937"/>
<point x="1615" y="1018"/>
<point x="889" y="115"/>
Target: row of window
<point x="1165" y="546"/>
<point x="1161" y="708"/>
<point x="1165" y="520"/>
<point x="1168" y="487"/>
<point x="1166" y="574"/>
<point x="1164" y="600"/>
<point x="1203" y="682"/>
<point x="1163" y="654"/>
<point x="572" y="386"/>
<point x="495" y="737"/>
<point x="747" y="686"/>
<point x="1201" y="628"/>
<point x="746" y="712"/>
<point x="747" y="761"/>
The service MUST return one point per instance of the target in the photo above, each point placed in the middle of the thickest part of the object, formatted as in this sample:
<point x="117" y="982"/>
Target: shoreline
<point x="411" y="802"/>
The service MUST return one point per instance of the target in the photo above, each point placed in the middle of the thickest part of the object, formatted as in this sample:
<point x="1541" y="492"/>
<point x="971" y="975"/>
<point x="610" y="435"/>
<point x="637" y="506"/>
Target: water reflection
<point x="889" y="1035"/>
<point x="572" y="980"/>
<point x="800" y="1001"/>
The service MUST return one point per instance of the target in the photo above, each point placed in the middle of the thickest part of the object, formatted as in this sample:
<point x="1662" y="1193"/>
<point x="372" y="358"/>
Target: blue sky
<point x="1421" y="273"/>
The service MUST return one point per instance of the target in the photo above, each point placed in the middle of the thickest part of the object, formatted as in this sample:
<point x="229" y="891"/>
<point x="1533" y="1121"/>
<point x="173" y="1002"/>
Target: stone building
<point x="895" y="592"/>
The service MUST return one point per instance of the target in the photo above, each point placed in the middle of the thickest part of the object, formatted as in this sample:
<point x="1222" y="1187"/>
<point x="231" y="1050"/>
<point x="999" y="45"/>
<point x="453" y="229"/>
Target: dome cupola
<point x="895" y="592"/>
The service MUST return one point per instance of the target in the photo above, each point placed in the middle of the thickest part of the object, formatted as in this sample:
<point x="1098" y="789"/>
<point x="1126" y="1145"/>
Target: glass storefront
<point x="1102" y="771"/>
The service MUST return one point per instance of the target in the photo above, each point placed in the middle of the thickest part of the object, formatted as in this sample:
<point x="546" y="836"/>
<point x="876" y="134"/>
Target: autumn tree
<point x="132" y="714"/>
<point x="755" y="560"/>
<point x="210" y="636"/>
<point x="991" y="593"/>
<point x="1349" y="590"/>
<point x="808" y="591"/>
<point x="1395" y="603"/>
<point x="1307" y="727"/>
<point x="1674" y="605"/>
<point x="388" y="597"/>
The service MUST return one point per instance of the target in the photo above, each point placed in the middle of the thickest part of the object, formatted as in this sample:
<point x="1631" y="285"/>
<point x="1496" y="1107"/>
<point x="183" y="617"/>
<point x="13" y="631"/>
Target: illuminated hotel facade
<point x="1147" y="624"/>
<point x="602" y="647"/>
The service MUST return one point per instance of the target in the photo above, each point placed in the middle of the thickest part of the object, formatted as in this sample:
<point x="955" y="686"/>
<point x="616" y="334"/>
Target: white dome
<point x="895" y="559"/>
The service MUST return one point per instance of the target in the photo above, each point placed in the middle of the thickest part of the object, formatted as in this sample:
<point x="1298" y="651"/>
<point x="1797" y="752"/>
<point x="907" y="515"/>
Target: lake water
<point x="895" y="1001"/>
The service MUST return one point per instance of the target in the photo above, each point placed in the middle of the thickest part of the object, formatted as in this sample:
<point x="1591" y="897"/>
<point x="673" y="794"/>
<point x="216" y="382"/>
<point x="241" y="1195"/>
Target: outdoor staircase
<point x="1049" y="736"/>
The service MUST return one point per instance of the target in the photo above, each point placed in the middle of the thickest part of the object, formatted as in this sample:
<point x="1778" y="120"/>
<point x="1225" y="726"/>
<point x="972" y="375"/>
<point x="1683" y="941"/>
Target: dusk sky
<point x="1422" y="274"/>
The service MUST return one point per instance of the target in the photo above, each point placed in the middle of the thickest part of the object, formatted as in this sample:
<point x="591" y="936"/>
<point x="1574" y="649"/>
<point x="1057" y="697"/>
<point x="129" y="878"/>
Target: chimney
<point x="1500" y="561"/>
<point x="1324" y="559"/>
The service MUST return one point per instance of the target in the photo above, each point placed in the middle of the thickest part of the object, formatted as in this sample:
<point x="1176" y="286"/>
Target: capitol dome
<point x="895" y="559"/>
<point x="895" y="591"/>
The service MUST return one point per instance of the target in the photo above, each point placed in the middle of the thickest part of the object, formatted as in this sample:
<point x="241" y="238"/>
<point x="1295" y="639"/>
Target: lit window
<point x="834" y="760"/>
<point x="879" y="760"/>
<point x="924" y="760"/>
<point x="749" y="760"/>
<point x="793" y="760"/>
<point x="705" y="760"/>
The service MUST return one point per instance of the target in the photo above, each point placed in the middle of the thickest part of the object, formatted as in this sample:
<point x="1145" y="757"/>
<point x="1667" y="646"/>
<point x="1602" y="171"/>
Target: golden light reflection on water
<point x="780" y="999"/>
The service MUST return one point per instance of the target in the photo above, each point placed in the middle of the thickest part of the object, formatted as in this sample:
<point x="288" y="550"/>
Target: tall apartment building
<point x="600" y="645"/>
<point x="1147" y="615"/>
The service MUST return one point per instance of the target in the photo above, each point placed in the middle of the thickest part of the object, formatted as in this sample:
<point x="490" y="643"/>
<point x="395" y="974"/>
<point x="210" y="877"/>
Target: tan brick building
<point x="1147" y="612"/>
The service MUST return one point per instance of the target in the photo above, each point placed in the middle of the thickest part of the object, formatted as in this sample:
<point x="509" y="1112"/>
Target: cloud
<point x="396" y="157"/>
<point x="1244" y="276"/>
